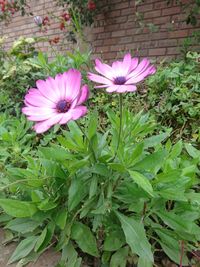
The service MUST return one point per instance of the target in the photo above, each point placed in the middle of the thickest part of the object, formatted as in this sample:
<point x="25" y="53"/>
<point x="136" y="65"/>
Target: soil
<point x="47" y="259"/>
<point x="50" y="258"/>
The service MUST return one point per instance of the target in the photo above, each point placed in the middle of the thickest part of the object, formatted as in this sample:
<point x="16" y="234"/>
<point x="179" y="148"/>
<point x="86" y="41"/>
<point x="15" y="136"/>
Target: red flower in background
<point x="65" y="17"/>
<point x="91" y="5"/>
<point x="54" y="40"/>
<point x="46" y="21"/>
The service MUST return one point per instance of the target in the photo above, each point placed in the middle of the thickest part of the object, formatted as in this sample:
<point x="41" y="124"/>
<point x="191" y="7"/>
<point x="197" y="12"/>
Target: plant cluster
<point x="173" y="95"/>
<point x="16" y="75"/>
<point x="112" y="196"/>
<point x="9" y="7"/>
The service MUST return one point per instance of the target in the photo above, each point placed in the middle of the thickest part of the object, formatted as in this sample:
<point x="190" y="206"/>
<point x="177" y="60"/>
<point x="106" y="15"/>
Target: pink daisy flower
<point x="123" y="75"/>
<point x="56" y="101"/>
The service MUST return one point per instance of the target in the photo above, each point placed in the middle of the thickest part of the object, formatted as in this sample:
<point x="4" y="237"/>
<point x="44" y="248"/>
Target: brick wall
<point x="117" y="30"/>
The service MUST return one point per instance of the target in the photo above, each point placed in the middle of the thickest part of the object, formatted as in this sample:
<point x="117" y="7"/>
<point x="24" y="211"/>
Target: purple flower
<point x="122" y="76"/>
<point x="38" y="20"/>
<point x="56" y="100"/>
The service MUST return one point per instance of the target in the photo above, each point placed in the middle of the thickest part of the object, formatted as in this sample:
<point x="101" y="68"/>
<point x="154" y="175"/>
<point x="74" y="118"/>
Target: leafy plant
<point x="173" y="96"/>
<point x="76" y="194"/>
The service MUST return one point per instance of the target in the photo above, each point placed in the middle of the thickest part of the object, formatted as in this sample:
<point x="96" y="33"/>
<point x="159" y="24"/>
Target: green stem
<point x="91" y="148"/>
<point x="21" y="181"/>
<point x="120" y="122"/>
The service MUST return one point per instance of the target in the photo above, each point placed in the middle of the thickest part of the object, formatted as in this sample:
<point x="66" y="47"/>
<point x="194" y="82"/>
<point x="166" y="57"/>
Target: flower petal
<point x="83" y="95"/>
<point x="43" y="126"/>
<point x="66" y="118"/>
<point x="35" y="98"/>
<point x="60" y="84"/>
<point x="141" y="75"/>
<point x="112" y="88"/>
<point x="104" y="69"/>
<point x="30" y="110"/>
<point x="134" y="63"/>
<point x="99" y="79"/>
<point x="127" y="61"/>
<point x="49" y="89"/>
<point x="72" y="79"/>
<point x="118" y="69"/>
<point x="38" y="113"/>
<point x="126" y="88"/>
<point x="78" y="112"/>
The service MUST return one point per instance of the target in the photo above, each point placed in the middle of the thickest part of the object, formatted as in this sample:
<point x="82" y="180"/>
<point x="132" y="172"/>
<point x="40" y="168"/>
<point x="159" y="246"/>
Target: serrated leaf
<point x="22" y="225"/>
<point x="136" y="236"/>
<point x="119" y="258"/>
<point x="142" y="182"/>
<point x="61" y="218"/>
<point x="17" y="208"/>
<point x="84" y="238"/>
<point x="23" y="249"/>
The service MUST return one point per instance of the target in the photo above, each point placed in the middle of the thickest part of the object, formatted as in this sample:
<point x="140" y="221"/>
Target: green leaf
<point x="177" y="223"/>
<point x="22" y="225"/>
<point x="143" y="262"/>
<point x="41" y="239"/>
<point x="93" y="186"/>
<point x="70" y="256"/>
<point x="45" y="237"/>
<point x="92" y="127"/>
<point x="174" y="254"/>
<point x="119" y="258"/>
<point x="56" y="153"/>
<point x="47" y="205"/>
<point x="84" y="238"/>
<point x="142" y="182"/>
<point x="77" y="192"/>
<point x="192" y="151"/>
<point x="101" y="169"/>
<point x="23" y="249"/>
<point x="114" y="241"/>
<point x="136" y="237"/>
<point x="136" y="154"/>
<point x="155" y="140"/>
<point x="176" y="150"/>
<point x="152" y="162"/>
<point x="61" y="218"/>
<point x="17" y="208"/>
<point x="117" y="167"/>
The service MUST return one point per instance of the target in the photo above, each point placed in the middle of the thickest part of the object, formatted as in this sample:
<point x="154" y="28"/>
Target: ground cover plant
<point x="104" y="196"/>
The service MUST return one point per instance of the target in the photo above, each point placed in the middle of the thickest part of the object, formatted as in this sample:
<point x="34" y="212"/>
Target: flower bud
<point x="38" y="20"/>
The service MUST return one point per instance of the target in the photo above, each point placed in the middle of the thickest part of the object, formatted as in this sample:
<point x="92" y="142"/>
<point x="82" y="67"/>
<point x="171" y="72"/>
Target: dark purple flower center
<point x="63" y="106"/>
<point x="120" y="80"/>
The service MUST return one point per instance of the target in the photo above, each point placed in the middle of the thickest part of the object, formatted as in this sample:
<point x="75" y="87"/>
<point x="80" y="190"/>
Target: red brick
<point x="143" y="8"/>
<point x="115" y="29"/>
<point x="161" y="5"/>
<point x="161" y="20"/>
<point x="178" y="34"/>
<point x="171" y="11"/>
<point x="117" y="47"/>
<point x="152" y="14"/>
<point x="102" y="49"/>
<point x="168" y="42"/>
<point x="118" y="33"/>
<point x="157" y="51"/>
<point x="127" y="11"/>
<point x="173" y="51"/>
